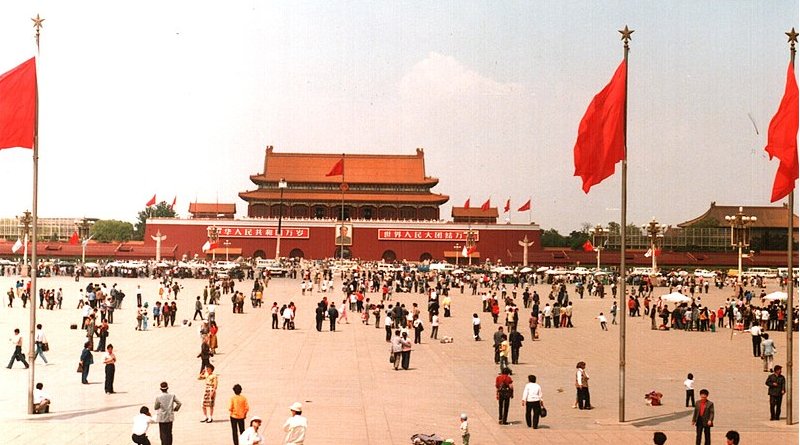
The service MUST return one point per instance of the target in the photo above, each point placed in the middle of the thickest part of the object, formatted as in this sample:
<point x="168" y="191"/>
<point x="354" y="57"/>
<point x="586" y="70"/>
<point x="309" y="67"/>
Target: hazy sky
<point x="181" y="98"/>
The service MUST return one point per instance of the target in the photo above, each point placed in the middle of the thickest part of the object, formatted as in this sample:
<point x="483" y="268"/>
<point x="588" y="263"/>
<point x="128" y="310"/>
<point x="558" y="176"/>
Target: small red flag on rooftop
<point x="508" y="206"/>
<point x="152" y="201"/>
<point x="337" y="169"/>
<point x="466" y="204"/>
<point x="525" y="207"/>
<point x="486" y="204"/>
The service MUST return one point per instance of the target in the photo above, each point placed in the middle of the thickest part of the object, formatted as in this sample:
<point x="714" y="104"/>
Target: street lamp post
<point x="83" y="227"/>
<point x="740" y="234"/>
<point x="213" y="236"/>
<point x="227" y="244"/>
<point x="25" y="224"/>
<point x="655" y="231"/>
<point x="457" y="247"/>
<point x="281" y="186"/>
<point x="599" y="234"/>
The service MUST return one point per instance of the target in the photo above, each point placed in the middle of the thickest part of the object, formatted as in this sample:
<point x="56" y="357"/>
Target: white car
<point x="703" y="273"/>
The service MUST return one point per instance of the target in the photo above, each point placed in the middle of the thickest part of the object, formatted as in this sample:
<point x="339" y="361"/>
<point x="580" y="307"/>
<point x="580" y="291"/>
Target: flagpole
<point x="37" y="23"/>
<point x="342" y="187"/>
<point x="626" y="37"/>
<point x="790" y="278"/>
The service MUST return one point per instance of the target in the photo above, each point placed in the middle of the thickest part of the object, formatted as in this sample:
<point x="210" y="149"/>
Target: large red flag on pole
<point x="18" y="106"/>
<point x="782" y="139"/>
<point x="337" y="169"/>
<point x="601" y="133"/>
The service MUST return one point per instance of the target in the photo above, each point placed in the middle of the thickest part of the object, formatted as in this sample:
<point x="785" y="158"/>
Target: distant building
<point x="212" y="210"/>
<point x="475" y="215"/>
<point x="50" y="229"/>
<point x="385" y="187"/>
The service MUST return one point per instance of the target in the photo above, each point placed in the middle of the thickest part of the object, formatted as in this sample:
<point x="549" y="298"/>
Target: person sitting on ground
<point x="41" y="400"/>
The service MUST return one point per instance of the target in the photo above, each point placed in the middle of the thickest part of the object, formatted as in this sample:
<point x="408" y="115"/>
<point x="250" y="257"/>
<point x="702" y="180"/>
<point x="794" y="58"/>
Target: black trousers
<point x="756" y="345"/>
<point x="110" y="369"/>
<point x="514" y="355"/>
<point x="388" y="333"/>
<point x="275" y="322"/>
<point x="165" y="432"/>
<point x="502" y="409"/>
<point x="237" y="428"/>
<point x="196" y="313"/>
<point x="319" y="324"/>
<point x="775" y="407"/>
<point x="703" y="430"/>
<point x="583" y="398"/>
<point x="406" y="360"/>
<point x="689" y="396"/>
<point x="333" y="324"/>
<point x="533" y="410"/>
<point x="140" y="439"/>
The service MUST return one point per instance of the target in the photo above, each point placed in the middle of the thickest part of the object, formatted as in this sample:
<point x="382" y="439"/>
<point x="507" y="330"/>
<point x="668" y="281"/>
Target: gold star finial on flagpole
<point x="37" y="23"/>
<point x="792" y="37"/>
<point x="626" y="34"/>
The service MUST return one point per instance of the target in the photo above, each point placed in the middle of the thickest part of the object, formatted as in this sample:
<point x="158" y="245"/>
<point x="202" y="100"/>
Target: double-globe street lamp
<point x="281" y="186"/>
<point x="740" y="234"/>
<point x="599" y="236"/>
<point x="24" y="224"/>
<point x="655" y="232"/>
<point x="83" y="226"/>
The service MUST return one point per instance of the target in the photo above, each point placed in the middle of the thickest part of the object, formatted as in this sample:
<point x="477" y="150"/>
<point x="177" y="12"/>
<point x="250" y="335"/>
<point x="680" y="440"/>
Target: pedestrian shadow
<point x="67" y="415"/>
<point x="661" y="418"/>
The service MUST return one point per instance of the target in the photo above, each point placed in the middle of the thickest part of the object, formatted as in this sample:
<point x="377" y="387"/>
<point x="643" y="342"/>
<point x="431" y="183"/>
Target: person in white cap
<point x="250" y="436"/>
<point x="295" y="426"/>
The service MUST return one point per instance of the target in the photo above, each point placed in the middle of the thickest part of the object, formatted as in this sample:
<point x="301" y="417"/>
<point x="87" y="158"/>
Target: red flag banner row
<point x="507" y="208"/>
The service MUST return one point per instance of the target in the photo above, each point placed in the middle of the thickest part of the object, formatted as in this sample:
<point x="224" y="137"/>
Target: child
<point x="689" y="385"/>
<point x="464" y="429"/>
<point x="602" y="319"/>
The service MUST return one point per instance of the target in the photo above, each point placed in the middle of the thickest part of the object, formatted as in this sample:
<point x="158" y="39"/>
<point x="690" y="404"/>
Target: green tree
<point x="160" y="210"/>
<point x="551" y="238"/>
<point x="106" y="230"/>
<point x="576" y="239"/>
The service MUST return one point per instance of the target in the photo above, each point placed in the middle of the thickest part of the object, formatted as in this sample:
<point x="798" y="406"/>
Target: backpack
<point x="505" y="391"/>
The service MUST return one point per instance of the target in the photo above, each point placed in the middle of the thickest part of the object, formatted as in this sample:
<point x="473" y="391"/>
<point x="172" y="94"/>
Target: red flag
<point x="466" y="204"/>
<point x="782" y="139"/>
<point x="74" y="238"/>
<point x="174" y="201"/>
<point x="486" y="204"/>
<point x="587" y="246"/>
<point x="152" y="201"/>
<point x="526" y="206"/>
<point x="508" y="206"/>
<point x="657" y="252"/>
<point x="471" y="250"/>
<point x="601" y="134"/>
<point x="18" y="105"/>
<point x="337" y="169"/>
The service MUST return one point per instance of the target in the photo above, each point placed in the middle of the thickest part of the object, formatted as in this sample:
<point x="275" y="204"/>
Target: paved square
<point x="350" y="391"/>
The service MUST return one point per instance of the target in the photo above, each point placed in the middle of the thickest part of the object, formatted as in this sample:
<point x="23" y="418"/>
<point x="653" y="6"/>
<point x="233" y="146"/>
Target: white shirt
<point x="295" y="428"/>
<point x="39" y="395"/>
<point x="689" y="384"/>
<point x="602" y="318"/>
<point x="140" y="424"/>
<point x="251" y="437"/>
<point x="755" y="330"/>
<point x="40" y="338"/>
<point x="17" y="340"/>
<point x="476" y="321"/>
<point x="435" y="320"/>
<point x="532" y="392"/>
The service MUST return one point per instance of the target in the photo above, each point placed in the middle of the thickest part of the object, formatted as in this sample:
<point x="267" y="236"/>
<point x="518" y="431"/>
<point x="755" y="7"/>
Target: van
<point x="763" y="272"/>
<point x="444" y="267"/>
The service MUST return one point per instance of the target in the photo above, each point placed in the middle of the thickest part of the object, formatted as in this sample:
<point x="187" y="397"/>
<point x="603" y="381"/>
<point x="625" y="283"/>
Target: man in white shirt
<point x="40" y="341"/>
<point x="755" y="333"/>
<point x="250" y="436"/>
<point x="16" y="340"/>
<point x="41" y="400"/>
<point x="141" y="422"/>
<point x="295" y="426"/>
<point x="532" y="401"/>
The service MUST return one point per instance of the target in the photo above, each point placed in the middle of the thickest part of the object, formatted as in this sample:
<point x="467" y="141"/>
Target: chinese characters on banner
<point x="265" y="232"/>
<point x="424" y="235"/>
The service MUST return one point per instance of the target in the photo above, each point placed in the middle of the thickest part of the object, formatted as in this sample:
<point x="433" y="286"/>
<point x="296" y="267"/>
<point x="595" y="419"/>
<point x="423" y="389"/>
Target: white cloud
<point x="441" y="76"/>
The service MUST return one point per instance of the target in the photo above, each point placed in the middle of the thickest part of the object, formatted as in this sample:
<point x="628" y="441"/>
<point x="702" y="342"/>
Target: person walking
<point x="198" y="309"/>
<point x="333" y="314"/>
<point x="209" y="394"/>
<point x="532" y="401"/>
<point x="396" y="349"/>
<point x="86" y="360"/>
<point x="767" y="352"/>
<point x="703" y="418"/>
<point x="582" y="386"/>
<point x="505" y="351"/>
<point x="141" y="422"/>
<point x="17" y="355"/>
<point x="418" y="328"/>
<point x="166" y="406"/>
<point x="755" y="336"/>
<point x="41" y="343"/>
<point x="464" y="427"/>
<point x="435" y="325"/>
<point x="515" y="340"/>
<point x="776" y="384"/>
<point x="110" y="360"/>
<point x="504" y="387"/>
<point x="497" y="339"/>
<point x="238" y="409"/>
<point x="405" y="344"/>
<point x="476" y="327"/>
<point x="688" y="384"/>
<point x="295" y="426"/>
<point x="102" y="334"/>
<point x="204" y="355"/>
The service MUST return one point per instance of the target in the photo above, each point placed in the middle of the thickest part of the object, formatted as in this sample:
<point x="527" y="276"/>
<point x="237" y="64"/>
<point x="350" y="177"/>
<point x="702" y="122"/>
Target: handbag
<point x="544" y="412"/>
<point x="391" y="357"/>
<point x="45" y="347"/>
<point x="80" y="367"/>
